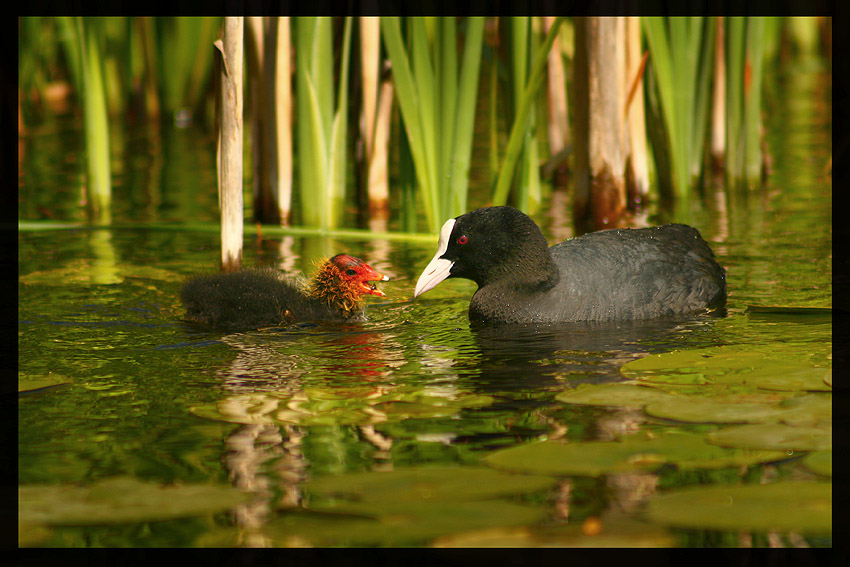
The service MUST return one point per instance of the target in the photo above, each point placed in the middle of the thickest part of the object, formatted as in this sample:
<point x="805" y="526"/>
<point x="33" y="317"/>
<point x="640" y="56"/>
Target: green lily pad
<point x="615" y="532"/>
<point x="120" y="500"/>
<point x="801" y="379"/>
<point x="639" y="452"/>
<point x="812" y="410"/>
<point x="773" y="436"/>
<point x="28" y="383"/>
<point x="340" y="406"/>
<point x="701" y="410"/>
<point x="373" y="493"/>
<point x="413" y="526"/>
<point x="820" y="462"/>
<point x="627" y="395"/>
<point x="408" y="505"/>
<point x="30" y="535"/>
<point x="806" y="410"/>
<point x="786" y="367"/>
<point x="804" y="507"/>
<point x="789" y="310"/>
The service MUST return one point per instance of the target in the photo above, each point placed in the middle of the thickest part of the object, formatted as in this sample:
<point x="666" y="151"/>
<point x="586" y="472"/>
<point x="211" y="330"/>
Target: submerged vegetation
<point x="701" y="81"/>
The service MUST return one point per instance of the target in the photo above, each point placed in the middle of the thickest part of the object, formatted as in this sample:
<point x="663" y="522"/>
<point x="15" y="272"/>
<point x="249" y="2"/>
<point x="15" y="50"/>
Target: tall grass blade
<point x="515" y="140"/>
<point x="96" y="120"/>
<point x="735" y="63"/>
<point x="321" y="130"/>
<point x="682" y="56"/>
<point x="423" y="74"/>
<point x="752" y="101"/>
<point x="335" y="192"/>
<point x="314" y="212"/>
<point x="464" y="123"/>
<point x="445" y="96"/>
<point x="409" y="104"/>
<point x="702" y="98"/>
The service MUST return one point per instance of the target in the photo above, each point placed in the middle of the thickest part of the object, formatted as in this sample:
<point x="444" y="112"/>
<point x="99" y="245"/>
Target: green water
<point x="384" y="433"/>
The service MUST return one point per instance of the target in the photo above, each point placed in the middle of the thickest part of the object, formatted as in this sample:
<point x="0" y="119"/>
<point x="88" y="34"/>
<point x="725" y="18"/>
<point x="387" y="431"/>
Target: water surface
<point x="116" y="385"/>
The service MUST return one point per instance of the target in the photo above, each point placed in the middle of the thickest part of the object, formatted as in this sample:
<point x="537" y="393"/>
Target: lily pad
<point x="789" y="310"/>
<point x="340" y="406"/>
<point x="804" y="410"/>
<point x="28" y="383"/>
<point x="639" y="452"/>
<point x="786" y="367"/>
<point x="804" y="507"/>
<point x="801" y="379"/>
<point x="414" y="526"/>
<point x="820" y="462"/>
<point x="409" y="505"/>
<point x="701" y="410"/>
<point x="376" y="492"/>
<point x="773" y="436"/>
<point x="812" y="410"/>
<point x="30" y="535"/>
<point x="615" y="532"/>
<point x="120" y="500"/>
<point x="627" y="395"/>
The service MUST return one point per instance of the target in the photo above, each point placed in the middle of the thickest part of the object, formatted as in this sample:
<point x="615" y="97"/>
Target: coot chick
<point x="259" y="297"/>
<point x="617" y="274"/>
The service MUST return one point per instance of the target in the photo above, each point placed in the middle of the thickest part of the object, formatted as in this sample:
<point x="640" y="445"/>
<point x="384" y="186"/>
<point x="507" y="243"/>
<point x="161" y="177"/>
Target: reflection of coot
<point x="610" y="275"/>
<point x="535" y="355"/>
<point x="252" y="298"/>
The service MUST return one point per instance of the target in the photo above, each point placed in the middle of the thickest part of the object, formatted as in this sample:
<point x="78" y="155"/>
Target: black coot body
<point x="618" y="274"/>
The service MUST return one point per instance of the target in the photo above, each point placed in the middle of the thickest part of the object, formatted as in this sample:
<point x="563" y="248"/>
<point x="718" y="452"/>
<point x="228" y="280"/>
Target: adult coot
<point x="616" y="274"/>
<point x="260" y="297"/>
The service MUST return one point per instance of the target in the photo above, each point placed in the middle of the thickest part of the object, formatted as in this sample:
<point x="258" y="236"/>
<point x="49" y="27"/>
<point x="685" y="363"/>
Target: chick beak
<point x="372" y="288"/>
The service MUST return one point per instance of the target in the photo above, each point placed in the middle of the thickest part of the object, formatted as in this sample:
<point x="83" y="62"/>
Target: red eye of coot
<point x="462" y="240"/>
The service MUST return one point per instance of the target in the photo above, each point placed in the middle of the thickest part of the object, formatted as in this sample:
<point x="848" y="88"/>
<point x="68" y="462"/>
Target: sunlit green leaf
<point x="121" y="500"/>
<point x="410" y="504"/>
<point x="413" y="526"/>
<point x="32" y="534"/>
<point x="729" y="410"/>
<point x="404" y="487"/>
<point x="614" y="395"/>
<point x="781" y="367"/>
<point x="820" y="462"/>
<point x="804" y="507"/>
<point x="774" y="436"/>
<point x="28" y="383"/>
<point x="615" y="532"/>
<point x="633" y="453"/>
<point x="789" y="310"/>
<point x="800" y="379"/>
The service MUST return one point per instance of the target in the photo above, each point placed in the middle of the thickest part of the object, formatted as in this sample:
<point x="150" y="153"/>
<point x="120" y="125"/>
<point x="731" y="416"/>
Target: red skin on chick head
<point x="343" y="282"/>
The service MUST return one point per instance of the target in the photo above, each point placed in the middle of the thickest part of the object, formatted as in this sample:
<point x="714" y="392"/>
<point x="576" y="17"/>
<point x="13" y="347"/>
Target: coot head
<point x="491" y="244"/>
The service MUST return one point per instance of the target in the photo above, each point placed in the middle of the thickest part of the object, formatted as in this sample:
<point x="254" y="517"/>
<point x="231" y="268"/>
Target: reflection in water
<point x="544" y="355"/>
<point x="265" y="457"/>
